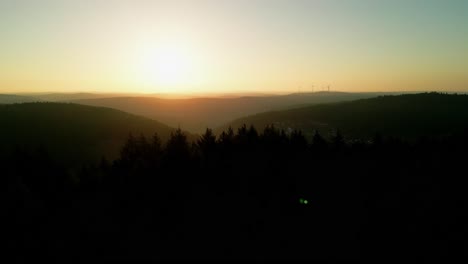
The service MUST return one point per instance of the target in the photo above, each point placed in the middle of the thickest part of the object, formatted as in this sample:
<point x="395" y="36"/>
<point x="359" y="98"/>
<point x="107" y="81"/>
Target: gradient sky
<point x="233" y="46"/>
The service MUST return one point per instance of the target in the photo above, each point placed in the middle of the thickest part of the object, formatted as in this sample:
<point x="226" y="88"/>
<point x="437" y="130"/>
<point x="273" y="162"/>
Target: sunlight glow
<point x="234" y="47"/>
<point x="169" y="68"/>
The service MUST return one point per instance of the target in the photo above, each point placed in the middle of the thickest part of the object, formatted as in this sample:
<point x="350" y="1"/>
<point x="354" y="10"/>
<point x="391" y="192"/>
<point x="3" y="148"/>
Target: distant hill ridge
<point x="72" y="132"/>
<point x="409" y="116"/>
<point x="196" y="114"/>
<point x="15" y="99"/>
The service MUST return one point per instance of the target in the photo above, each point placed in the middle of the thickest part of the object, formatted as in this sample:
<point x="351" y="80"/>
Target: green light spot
<point x="303" y="201"/>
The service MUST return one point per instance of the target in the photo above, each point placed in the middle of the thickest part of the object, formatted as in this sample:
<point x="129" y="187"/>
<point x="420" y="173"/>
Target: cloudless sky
<point x="221" y="46"/>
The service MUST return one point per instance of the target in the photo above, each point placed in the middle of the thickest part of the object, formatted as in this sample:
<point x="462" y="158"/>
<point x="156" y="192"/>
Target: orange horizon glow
<point x="217" y="47"/>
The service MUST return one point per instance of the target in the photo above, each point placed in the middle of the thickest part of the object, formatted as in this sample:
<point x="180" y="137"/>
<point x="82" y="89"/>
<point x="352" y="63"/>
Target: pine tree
<point x="177" y="148"/>
<point x="337" y="140"/>
<point x="298" y="140"/>
<point x="318" y="142"/>
<point x="207" y="142"/>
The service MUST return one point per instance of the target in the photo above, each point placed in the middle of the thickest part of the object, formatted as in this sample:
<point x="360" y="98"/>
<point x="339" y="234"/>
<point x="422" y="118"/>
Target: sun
<point x="168" y="68"/>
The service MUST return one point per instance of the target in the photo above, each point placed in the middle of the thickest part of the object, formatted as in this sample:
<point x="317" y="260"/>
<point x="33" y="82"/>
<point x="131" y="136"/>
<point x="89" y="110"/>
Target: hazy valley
<point x="215" y="131"/>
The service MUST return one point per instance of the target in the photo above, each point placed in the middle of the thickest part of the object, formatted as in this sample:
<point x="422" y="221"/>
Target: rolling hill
<point x="16" y="99"/>
<point x="408" y="116"/>
<point x="196" y="114"/>
<point x="72" y="133"/>
<point x="65" y="97"/>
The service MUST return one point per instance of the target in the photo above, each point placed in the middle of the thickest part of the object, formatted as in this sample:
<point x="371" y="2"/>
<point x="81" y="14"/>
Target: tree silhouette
<point x="337" y="140"/>
<point x="244" y="192"/>
<point x="319" y="143"/>
<point x="207" y="142"/>
<point x="177" y="154"/>
<point x="298" y="141"/>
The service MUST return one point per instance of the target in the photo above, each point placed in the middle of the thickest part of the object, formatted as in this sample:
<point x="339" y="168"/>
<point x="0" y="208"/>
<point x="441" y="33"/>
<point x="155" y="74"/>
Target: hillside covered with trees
<point x="408" y="116"/>
<point x="196" y="114"/>
<point x="245" y="195"/>
<point x="73" y="133"/>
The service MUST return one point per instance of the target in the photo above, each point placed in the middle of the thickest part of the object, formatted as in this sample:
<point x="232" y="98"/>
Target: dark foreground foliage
<point x="243" y="195"/>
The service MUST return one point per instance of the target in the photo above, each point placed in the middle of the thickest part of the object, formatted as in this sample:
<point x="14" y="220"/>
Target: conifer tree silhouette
<point x="319" y="143"/>
<point x="207" y="142"/>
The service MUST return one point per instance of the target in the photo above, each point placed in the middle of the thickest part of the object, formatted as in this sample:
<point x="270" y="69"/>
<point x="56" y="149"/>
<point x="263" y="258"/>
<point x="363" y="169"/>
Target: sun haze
<point x="233" y="46"/>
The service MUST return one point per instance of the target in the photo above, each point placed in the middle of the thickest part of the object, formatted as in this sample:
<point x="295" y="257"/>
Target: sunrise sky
<point x="221" y="46"/>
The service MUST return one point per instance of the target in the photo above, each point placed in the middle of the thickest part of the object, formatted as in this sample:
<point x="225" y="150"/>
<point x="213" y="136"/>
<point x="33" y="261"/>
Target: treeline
<point x="408" y="116"/>
<point x="243" y="195"/>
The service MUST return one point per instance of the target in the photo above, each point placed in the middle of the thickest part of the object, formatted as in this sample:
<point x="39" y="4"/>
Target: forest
<point x="245" y="194"/>
<point x="72" y="134"/>
<point x="407" y="116"/>
<point x="321" y="131"/>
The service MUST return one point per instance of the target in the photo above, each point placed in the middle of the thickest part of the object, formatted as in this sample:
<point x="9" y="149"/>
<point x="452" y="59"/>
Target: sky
<point x="221" y="46"/>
